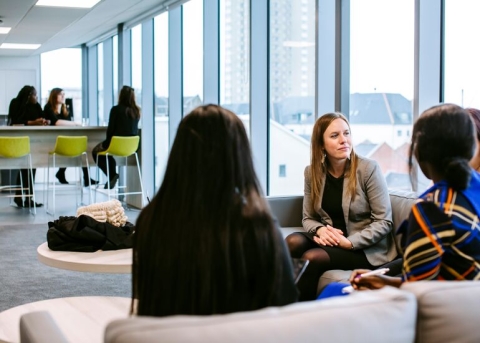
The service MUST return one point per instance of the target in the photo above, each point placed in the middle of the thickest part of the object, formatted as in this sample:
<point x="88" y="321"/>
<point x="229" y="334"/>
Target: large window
<point x="462" y="69"/>
<point x="235" y="57"/>
<point x="381" y="83"/>
<point x="192" y="55"/>
<point x="63" y="69"/>
<point x="161" y="95"/>
<point x="292" y="92"/>
<point x="102" y="120"/>
<point x="115" y="68"/>
<point x="136" y="51"/>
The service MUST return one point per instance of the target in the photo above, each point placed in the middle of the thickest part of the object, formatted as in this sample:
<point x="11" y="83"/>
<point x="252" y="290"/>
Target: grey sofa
<point x="421" y="312"/>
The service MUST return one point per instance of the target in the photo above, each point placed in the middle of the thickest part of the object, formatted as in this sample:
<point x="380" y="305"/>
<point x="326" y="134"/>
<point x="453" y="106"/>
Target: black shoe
<point x="113" y="182"/>
<point x="29" y="203"/>
<point x="18" y="202"/>
<point x="61" y="178"/>
<point x="92" y="182"/>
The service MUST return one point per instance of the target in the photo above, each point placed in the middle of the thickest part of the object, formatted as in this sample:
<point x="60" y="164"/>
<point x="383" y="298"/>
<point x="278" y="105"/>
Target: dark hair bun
<point x="458" y="173"/>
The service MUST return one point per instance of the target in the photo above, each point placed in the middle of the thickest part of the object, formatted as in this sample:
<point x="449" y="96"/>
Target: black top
<point x="23" y="113"/>
<point x="50" y="115"/>
<point x="332" y="201"/>
<point x="120" y="124"/>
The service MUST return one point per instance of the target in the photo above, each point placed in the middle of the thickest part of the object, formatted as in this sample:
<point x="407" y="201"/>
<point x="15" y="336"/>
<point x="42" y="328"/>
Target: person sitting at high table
<point x="207" y="243"/>
<point x="57" y="111"/>
<point x="25" y="110"/>
<point x="123" y="121"/>
<point x="440" y="239"/>
<point x="347" y="214"/>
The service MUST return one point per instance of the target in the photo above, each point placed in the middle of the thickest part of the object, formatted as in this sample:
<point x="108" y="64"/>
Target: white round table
<point x="111" y="261"/>
<point x="81" y="319"/>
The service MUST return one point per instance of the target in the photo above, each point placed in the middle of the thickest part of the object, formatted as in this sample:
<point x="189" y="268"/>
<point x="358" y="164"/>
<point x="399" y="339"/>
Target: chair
<point x="68" y="147"/>
<point x="122" y="147"/>
<point x="18" y="148"/>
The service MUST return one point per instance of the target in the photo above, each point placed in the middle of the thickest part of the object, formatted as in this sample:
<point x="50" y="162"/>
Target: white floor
<point x="66" y="205"/>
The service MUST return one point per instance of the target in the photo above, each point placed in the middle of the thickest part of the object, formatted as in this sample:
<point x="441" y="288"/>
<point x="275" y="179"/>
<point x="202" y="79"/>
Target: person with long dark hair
<point x="347" y="216"/>
<point x="123" y="121"/>
<point x="440" y="239"/>
<point x="25" y="110"/>
<point x="59" y="115"/>
<point x="207" y="243"/>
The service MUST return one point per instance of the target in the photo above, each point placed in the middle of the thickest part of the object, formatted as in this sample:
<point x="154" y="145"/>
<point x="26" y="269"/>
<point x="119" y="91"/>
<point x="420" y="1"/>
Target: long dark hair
<point x="444" y="136"/>
<point x="18" y="105"/>
<point x="127" y="99"/>
<point x="206" y="242"/>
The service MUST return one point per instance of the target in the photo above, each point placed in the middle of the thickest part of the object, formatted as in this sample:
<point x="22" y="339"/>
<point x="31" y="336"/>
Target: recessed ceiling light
<point x="19" y="46"/>
<point x="68" y="3"/>
<point x="4" y="30"/>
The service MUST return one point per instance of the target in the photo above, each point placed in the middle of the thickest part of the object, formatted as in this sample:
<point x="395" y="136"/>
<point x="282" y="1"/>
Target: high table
<point x="81" y="319"/>
<point x="42" y="141"/>
<point x="43" y="138"/>
<point x="112" y="261"/>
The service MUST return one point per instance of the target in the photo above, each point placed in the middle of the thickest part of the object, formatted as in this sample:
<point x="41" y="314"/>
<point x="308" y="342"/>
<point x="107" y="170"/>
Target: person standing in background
<point x="58" y="114"/>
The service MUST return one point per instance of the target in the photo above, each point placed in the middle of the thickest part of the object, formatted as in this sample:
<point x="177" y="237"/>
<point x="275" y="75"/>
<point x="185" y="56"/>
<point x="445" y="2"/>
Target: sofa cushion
<point x="387" y="315"/>
<point x="447" y="310"/>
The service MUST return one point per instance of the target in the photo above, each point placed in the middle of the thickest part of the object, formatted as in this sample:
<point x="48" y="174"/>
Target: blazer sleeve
<point x="311" y="220"/>
<point x="376" y="191"/>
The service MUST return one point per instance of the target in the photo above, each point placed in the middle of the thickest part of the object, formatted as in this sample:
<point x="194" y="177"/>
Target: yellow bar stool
<point x="122" y="147"/>
<point x="68" y="147"/>
<point x="19" y="148"/>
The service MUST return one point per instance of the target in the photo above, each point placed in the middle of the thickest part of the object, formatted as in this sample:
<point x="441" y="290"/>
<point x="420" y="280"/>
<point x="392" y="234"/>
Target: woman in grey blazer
<point x="347" y="215"/>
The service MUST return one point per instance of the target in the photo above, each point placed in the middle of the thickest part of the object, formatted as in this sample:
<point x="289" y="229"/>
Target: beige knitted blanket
<point x="109" y="211"/>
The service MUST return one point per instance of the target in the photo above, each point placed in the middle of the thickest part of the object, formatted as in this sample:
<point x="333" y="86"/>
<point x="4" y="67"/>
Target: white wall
<point x="16" y="72"/>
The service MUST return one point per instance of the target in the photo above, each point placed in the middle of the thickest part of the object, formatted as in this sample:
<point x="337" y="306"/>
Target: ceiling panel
<point x="56" y="28"/>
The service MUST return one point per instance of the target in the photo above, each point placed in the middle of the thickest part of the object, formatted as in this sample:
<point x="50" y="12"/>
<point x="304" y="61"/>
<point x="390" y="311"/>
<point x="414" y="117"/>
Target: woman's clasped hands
<point x="331" y="237"/>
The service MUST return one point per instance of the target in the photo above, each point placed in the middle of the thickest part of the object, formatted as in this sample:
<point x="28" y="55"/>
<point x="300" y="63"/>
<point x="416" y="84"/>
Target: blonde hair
<point x="319" y="162"/>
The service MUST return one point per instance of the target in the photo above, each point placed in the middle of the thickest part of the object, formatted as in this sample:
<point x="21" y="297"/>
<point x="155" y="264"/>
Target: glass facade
<point x="372" y="65"/>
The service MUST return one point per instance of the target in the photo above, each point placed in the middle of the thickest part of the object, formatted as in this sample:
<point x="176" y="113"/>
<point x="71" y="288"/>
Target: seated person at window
<point x="346" y="208"/>
<point x="25" y="110"/>
<point x="475" y="161"/>
<point x="207" y="243"/>
<point x="123" y="121"/>
<point x="57" y="111"/>
<point x="440" y="238"/>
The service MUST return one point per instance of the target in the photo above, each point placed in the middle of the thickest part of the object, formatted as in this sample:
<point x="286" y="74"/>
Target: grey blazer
<point x="368" y="217"/>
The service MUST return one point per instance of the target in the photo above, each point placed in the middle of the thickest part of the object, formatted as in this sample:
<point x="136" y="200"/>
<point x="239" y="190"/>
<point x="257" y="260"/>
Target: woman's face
<point x="61" y="98"/>
<point x="33" y="97"/>
<point x="337" y="140"/>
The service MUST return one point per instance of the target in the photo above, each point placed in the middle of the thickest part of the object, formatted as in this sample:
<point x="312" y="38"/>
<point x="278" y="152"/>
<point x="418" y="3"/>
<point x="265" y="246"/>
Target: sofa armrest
<point x="39" y="327"/>
<point x="447" y="310"/>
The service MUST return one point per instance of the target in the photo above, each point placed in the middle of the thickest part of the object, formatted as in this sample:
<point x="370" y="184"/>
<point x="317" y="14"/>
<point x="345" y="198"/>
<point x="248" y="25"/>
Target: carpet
<point x="23" y="279"/>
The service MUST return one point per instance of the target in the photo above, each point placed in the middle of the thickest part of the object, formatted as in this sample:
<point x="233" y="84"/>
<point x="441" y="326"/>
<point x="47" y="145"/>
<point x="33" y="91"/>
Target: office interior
<point x="278" y="64"/>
